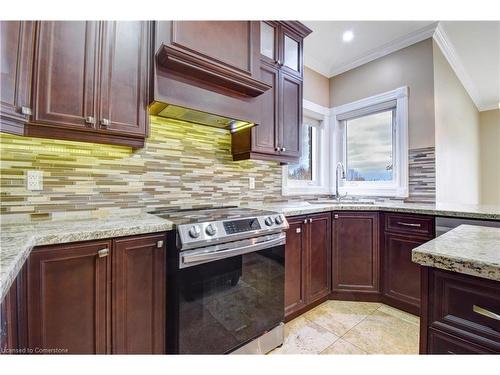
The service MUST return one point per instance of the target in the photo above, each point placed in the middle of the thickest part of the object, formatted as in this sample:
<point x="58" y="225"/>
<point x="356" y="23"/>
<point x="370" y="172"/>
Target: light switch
<point x="34" y="180"/>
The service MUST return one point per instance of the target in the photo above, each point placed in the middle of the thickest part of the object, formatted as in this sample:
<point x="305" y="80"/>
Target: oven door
<point x="230" y="294"/>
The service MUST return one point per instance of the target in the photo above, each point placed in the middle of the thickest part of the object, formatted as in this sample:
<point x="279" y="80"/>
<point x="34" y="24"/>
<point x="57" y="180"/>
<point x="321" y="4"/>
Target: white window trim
<point x="400" y="187"/>
<point x="321" y="167"/>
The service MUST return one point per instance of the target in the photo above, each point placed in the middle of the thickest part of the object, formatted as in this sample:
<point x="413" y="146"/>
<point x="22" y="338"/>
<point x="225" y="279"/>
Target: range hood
<point x="198" y="117"/>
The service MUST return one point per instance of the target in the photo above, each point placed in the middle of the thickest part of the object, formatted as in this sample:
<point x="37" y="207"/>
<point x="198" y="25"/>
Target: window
<point x="309" y="174"/>
<point x="372" y="144"/>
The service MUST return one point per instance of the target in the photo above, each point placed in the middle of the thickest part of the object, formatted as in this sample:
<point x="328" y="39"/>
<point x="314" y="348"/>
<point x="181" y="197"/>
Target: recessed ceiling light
<point x="347" y="36"/>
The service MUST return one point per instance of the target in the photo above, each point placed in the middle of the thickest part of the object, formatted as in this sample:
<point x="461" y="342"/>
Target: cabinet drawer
<point x="466" y="306"/>
<point x="443" y="343"/>
<point x="422" y="225"/>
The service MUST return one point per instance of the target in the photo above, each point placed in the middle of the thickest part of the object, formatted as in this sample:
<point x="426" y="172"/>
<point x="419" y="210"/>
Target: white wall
<point x="457" y="137"/>
<point x="489" y="132"/>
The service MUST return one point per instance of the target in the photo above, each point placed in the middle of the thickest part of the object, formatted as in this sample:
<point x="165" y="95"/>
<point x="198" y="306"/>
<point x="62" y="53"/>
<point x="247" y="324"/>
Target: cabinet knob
<point x="278" y="62"/>
<point x="305" y="221"/>
<point x="90" y="120"/>
<point x="26" y="111"/>
<point x="310" y="221"/>
<point x="336" y="216"/>
<point x="283" y="149"/>
<point x="103" y="253"/>
<point x="298" y="230"/>
<point x="104" y="123"/>
<point x="159" y="244"/>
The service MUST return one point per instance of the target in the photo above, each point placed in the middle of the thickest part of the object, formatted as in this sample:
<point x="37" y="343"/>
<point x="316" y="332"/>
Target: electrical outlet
<point x="251" y="182"/>
<point x="34" y="180"/>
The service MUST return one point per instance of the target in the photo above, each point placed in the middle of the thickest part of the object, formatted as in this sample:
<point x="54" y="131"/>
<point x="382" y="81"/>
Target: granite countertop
<point x="17" y="240"/>
<point x="468" y="249"/>
<point x="486" y="212"/>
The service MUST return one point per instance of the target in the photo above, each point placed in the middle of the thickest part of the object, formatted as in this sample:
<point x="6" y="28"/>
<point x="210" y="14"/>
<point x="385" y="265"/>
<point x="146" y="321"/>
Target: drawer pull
<point x="409" y="224"/>
<point x="103" y="253"/>
<point x="484" y="312"/>
<point x="298" y="230"/>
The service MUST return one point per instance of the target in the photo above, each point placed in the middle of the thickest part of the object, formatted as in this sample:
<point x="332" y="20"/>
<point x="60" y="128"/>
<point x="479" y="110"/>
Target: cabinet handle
<point x="159" y="244"/>
<point x="336" y="216"/>
<point x="104" y="123"/>
<point x="409" y="224"/>
<point x="103" y="253"/>
<point x="298" y="230"/>
<point x="489" y="314"/>
<point x="90" y="120"/>
<point x="26" y="111"/>
<point x="310" y="221"/>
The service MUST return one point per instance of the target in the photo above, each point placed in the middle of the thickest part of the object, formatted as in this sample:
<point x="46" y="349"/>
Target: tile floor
<point x="345" y="327"/>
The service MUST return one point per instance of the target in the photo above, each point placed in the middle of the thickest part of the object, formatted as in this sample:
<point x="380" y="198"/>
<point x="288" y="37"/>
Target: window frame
<point x="320" y="157"/>
<point x="399" y="186"/>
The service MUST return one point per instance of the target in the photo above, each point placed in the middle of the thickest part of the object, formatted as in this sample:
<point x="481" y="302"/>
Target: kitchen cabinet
<point x="401" y="276"/>
<point x="8" y="322"/>
<point x="90" y="81"/>
<point x="355" y="259"/>
<point x="278" y="134"/>
<point x="307" y="263"/>
<point x="104" y="296"/>
<point x="16" y="49"/>
<point x="139" y="294"/>
<point x="460" y="313"/>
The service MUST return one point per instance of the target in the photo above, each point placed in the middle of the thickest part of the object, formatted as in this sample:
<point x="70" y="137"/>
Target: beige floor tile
<point x="340" y="316"/>
<point x="381" y="333"/>
<point x="343" y="347"/>
<point x="305" y="337"/>
<point x="410" y="318"/>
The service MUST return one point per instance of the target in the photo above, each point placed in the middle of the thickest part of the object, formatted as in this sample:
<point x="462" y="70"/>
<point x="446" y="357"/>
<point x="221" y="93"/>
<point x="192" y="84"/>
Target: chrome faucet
<point x="342" y="175"/>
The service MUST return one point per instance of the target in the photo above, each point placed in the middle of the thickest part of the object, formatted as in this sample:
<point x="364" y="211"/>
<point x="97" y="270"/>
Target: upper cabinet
<point x="90" y="80"/>
<point x="278" y="134"/>
<point x="16" y="49"/>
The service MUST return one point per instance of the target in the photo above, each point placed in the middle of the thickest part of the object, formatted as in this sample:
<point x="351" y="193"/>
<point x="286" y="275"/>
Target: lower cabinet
<point x="355" y="260"/>
<point x="97" y="297"/>
<point x="307" y="262"/>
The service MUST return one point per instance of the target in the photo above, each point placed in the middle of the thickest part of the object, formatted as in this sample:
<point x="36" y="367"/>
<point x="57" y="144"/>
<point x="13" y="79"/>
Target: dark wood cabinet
<point x="355" y="260"/>
<point x="90" y="80"/>
<point x="278" y="134"/>
<point x="124" y="81"/>
<point x="307" y="262"/>
<point x="16" y="49"/>
<point x="68" y="296"/>
<point x="65" y="74"/>
<point x="8" y="322"/>
<point x="139" y="295"/>
<point x="401" y="277"/>
<point x="104" y="296"/>
<point x="459" y="313"/>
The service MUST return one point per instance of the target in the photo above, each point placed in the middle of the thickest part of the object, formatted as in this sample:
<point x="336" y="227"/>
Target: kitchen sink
<point x="334" y="201"/>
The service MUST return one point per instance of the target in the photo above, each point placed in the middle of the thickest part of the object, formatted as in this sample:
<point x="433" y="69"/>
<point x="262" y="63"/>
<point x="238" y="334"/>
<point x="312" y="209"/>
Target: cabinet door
<point x="269" y="42"/>
<point x="16" y="49"/>
<point x="295" y="266"/>
<point x="68" y="294"/>
<point x="139" y="295"/>
<point x="401" y="275"/>
<point x="124" y="77"/>
<point x="319" y="257"/>
<point x="264" y="135"/>
<point x="9" y="322"/>
<point x="355" y="252"/>
<point x="291" y="52"/>
<point x="290" y="115"/>
<point x="65" y="74"/>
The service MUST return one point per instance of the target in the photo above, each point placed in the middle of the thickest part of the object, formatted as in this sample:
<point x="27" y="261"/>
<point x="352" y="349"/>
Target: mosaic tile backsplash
<point x="182" y="165"/>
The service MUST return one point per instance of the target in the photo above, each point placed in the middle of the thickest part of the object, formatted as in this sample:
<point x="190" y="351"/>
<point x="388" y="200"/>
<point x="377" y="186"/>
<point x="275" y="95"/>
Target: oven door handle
<point x="202" y="256"/>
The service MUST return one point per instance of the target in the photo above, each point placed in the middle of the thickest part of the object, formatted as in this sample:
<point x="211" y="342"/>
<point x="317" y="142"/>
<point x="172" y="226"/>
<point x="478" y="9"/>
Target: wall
<point x="412" y="67"/>
<point x="316" y="87"/>
<point x="181" y="165"/>
<point x="457" y="137"/>
<point x="489" y="140"/>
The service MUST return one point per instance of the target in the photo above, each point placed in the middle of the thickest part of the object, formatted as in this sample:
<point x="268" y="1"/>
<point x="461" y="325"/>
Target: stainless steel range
<point x="226" y="280"/>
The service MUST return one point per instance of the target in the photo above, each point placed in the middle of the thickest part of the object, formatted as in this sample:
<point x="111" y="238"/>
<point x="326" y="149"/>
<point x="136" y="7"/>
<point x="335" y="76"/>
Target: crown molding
<point x="443" y="42"/>
<point x="393" y="46"/>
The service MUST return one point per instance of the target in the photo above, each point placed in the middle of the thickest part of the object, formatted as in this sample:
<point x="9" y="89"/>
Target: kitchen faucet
<point x="338" y="197"/>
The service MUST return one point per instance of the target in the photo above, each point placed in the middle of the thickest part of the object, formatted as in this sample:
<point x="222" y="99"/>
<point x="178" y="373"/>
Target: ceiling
<point x="471" y="47"/>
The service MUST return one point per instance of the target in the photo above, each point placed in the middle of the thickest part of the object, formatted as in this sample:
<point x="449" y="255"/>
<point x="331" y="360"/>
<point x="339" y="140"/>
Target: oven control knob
<point x="269" y="221"/>
<point x="195" y="231"/>
<point x="211" y="229"/>
<point x="278" y="220"/>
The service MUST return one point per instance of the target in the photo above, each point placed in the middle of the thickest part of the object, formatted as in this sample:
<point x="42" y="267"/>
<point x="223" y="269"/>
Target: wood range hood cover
<point x="207" y="72"/>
